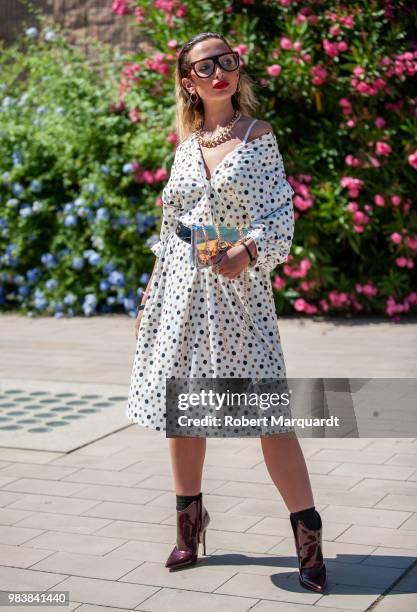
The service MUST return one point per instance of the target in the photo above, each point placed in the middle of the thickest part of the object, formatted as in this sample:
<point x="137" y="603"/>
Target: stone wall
<point x="82" y="19"/>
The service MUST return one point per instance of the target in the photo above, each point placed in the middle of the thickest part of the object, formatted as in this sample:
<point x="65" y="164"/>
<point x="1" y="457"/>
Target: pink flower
<point x="182" y="11"/>
<point x="302" y="306"/>
<point x="352" y="207"/>
<point x="358" y="71"/>
<point x="395" y="200"/>
<point x="172" y="138"/>
<point x="303" y="267"/>
<point x="379" y="200"/>
<point x="302" y="204"/>
<point x="121" y="7"/>
<point x="380" y="122"/>
<point x="279" y="282"/>
<point x="360" y="218"/>
<point x="396" y="237"/>
<point x="401" y="262"/>
<point x="319" y="75"/>
<point x="160" y="175"/>
<point x="369" y="290"/>
<point x="412" y="160"/>
<point x="382" y="148"/>
<point x="139" y="16"/>
<point x="352" y="161"/>
<point x="338" y="299"/>
<point x="412" y="242"/>
<point x="330" y="48"/>
<point x="324" y="305"/>
<point x="172" y="44"/>
<point x="134" y="115"/>
<point x="274" y="70"/>
<point x="285" y="43"/>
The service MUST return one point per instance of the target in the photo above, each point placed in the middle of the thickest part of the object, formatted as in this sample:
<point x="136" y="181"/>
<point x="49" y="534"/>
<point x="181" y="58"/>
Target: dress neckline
<point x="229" y="154"/>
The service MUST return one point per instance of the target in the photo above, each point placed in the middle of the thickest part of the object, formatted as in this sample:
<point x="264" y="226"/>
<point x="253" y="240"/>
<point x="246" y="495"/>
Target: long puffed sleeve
<point x="170" y="210"/>
<point x="273" y="231"/>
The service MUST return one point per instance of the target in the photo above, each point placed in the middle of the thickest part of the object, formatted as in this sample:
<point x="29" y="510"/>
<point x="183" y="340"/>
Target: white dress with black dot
<point x="180" y="331"/>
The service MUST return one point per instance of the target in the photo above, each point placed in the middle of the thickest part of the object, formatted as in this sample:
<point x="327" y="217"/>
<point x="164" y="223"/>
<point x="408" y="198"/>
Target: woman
<point x="193" y="324"/>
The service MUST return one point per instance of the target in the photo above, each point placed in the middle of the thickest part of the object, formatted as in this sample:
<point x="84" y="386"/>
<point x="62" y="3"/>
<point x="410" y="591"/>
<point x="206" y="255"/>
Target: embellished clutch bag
<point x="209" y="240"/>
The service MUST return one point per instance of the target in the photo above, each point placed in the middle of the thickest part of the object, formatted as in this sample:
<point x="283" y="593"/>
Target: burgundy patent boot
<point x="192" y="523"/>
<point x="308" y="544"/>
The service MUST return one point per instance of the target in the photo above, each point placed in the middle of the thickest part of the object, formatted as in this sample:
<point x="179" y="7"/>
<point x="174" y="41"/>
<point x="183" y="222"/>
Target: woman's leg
<point x="187" y="460"/>
<point x="286" y="465"/>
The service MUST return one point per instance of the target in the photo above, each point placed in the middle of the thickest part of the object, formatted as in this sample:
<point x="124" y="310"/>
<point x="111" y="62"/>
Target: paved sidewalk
<point x="98" y="520"/>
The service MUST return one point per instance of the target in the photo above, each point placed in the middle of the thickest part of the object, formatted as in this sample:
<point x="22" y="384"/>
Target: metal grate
<point x="45" y="411"/>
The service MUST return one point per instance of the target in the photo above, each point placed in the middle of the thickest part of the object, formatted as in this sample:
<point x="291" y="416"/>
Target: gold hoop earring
<point x="194" y="100"/>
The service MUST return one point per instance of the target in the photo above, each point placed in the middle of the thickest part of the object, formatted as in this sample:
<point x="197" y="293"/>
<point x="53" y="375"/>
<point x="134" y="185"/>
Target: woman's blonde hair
<point x="190" y="115"/>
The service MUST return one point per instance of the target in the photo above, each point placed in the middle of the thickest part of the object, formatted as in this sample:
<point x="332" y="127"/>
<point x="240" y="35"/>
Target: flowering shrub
<point x="77" y="208"/>
<point x="338" y="83"/>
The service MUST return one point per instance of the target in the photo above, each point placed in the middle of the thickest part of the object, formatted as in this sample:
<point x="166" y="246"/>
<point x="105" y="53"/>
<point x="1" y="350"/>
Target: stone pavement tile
<point x="89" y="566"/>
<point x="10" y="517"/>
<point x="378" y="485"/>
<point x="17" y="535"/>
<point x="40" y="486"/>
<point x="19" y="455"/>
<point x="144" y="551"/>
<point x="348" y="597"/>
<point x="248" y="562"/>
<point x="360" y="498"/>
<point x="62" y="522"/>
<point x="101" y="492"/>
<point x="131" y="530"/>
<point x="71" y="542"/>
<point x="195" y="578"/>
<point x="379" y="536"/>
<point x="413" y="477"/>
<point x="397" y="601"/>
<point x="349" y="444"/>
<point x="218" y="503"/>
<point x="118" y="594"/>
<point x="410" y="523"/>
<point x="275" y="586"/>
<point x="61" y="505"/>
<point x="369" y="470"/>
<point x="403" y="459"/>
<point x="29" y="470"/>
<point x="337" y="483"/>
<point x="337" y="551"/>
<point x="260" y="508"/>
<point x="397" y="445"/>
<point x="119" y="461"/>
<point x="92" y="476"/>
<point x="236" y="474"/>
<point x="395" y="501"/>
<point x="363" y="456"/>
<point x="161" y="482"/>
<point x="250" y="489"/>
<point x="8" y="498"/>
<point x="245" y="542"/>
<point x="282" y="606"/>
<point x="223" y="522"/>
<point x="7" y="479"/>
<point x="190" y="601"/>
<point x="21" y="556"/>
<point x="409" y="582"/>
<point x="390" y="557"/>
<point x="365" y="516"/>
<point x="360" y="575"/>
<point x="278" y="526"/>
<point x="129" y="512"/>
<point x="16" y="579"/>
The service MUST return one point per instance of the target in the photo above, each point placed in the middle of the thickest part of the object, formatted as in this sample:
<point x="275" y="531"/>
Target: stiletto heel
<point x="204" y="541"/>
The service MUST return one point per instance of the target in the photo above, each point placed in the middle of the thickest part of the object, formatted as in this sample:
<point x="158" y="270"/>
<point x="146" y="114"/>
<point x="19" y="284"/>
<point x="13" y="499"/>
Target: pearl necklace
<point x="223" y="135"/>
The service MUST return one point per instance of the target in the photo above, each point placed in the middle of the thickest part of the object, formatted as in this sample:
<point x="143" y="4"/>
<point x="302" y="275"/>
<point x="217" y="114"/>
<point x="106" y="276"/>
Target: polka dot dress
<point x="193" y="319"/>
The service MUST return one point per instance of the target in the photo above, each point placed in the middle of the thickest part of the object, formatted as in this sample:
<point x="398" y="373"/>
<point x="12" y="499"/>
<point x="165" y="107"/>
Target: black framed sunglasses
<point x="205" y="67"/>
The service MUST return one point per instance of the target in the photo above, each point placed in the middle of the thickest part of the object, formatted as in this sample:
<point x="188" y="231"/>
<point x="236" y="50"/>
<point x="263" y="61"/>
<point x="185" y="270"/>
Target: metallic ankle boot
<point x="308" y="544"/>
<point x="192" y="523"/>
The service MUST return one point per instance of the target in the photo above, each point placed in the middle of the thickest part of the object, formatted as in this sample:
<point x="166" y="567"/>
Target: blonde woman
<point x="191" y="323"/>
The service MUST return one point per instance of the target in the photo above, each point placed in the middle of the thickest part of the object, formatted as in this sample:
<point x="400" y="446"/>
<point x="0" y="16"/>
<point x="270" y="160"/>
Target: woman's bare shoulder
<point x="260" y="127"/>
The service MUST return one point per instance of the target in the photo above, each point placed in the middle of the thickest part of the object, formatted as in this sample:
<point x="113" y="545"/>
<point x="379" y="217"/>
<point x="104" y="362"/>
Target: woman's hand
<point x="232" y="262"/>
<point x="137" y="323"/>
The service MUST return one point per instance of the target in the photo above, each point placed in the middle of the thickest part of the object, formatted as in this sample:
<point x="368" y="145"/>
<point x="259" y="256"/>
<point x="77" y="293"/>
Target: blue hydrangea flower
<point x="77" y="263"/>
<point x="36" y="186"/>
<point x="32" y="32"/>
<point x="70" y="221"/>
